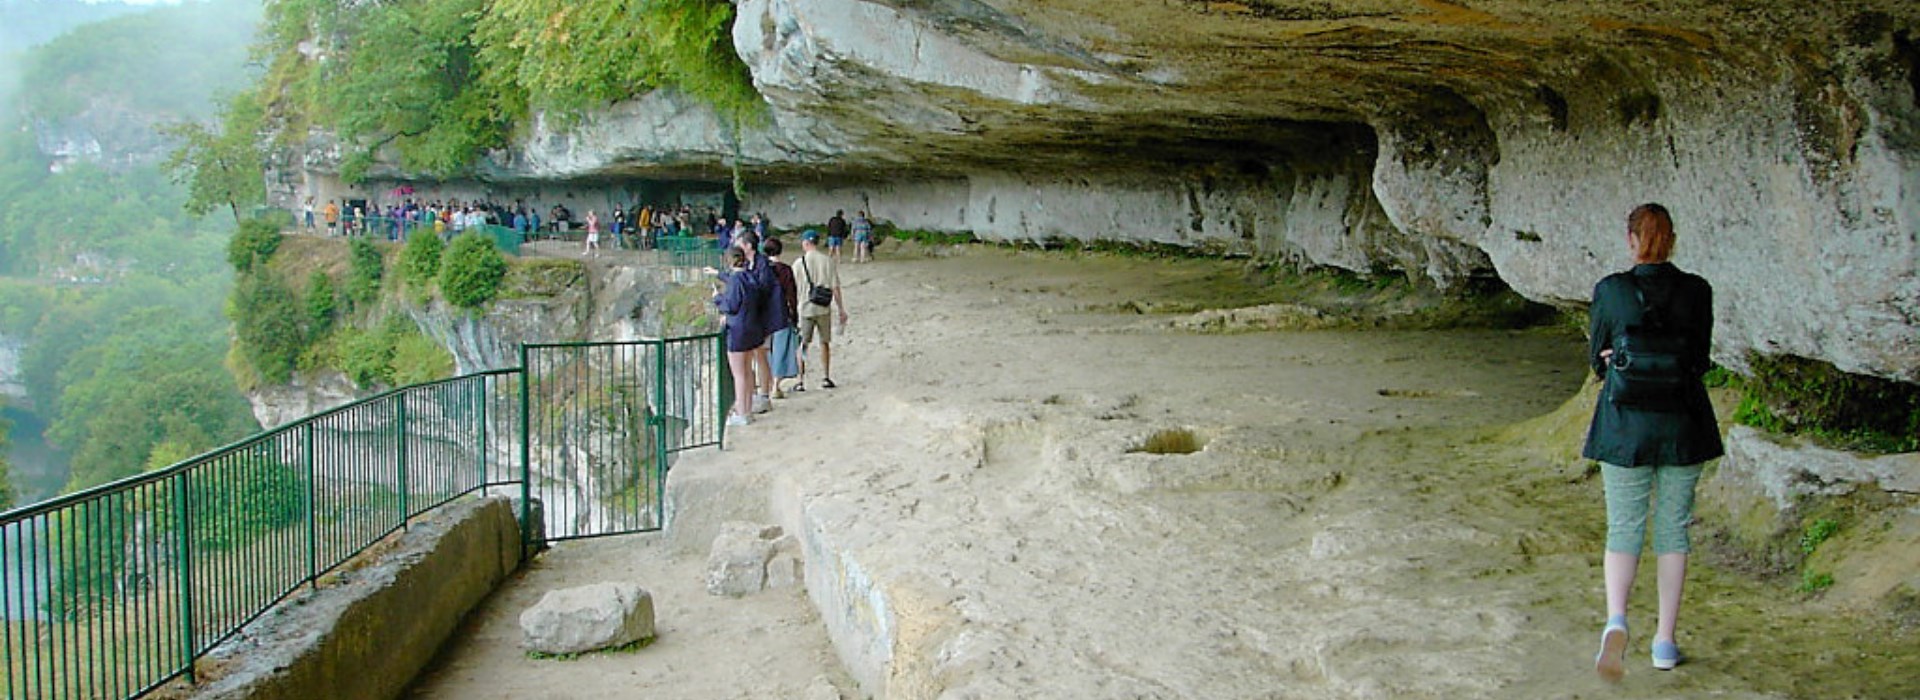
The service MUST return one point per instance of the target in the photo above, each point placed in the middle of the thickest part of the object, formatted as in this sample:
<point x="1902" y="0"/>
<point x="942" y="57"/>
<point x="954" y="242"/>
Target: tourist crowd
<point x="639" y="228"/>
<point x="774" y="310"/>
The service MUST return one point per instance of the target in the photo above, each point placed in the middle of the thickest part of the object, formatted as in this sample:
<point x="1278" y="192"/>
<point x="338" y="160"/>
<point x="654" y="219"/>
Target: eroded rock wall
<point x="1446" y="140"/>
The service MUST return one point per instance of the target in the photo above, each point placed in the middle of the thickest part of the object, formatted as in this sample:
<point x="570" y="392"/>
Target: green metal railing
<point x="113" y="591"/>
<point x="689" y="251"/>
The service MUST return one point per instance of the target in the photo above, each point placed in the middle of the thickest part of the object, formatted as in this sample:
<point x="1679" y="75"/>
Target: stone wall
<point x="369" y="630"/>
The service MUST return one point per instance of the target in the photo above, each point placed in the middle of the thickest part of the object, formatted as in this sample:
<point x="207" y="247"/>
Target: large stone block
<point x="597" y="616"/>
<point x="737" y="565"/>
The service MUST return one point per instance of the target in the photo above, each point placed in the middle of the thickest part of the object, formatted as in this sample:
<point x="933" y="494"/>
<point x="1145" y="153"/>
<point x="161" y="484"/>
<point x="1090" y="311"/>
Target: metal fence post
<point x="480" y="410"/>
<point x="183" y="502"/>
<point x="725" y="399"/>
<point x="526" y="452"/>
<point x="313" y="509"/>
<point x="659" y="432"/>
<point x="401" y="456"/>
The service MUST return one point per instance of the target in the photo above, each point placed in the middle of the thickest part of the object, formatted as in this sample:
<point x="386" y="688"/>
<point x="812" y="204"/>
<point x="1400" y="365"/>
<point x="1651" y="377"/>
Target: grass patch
<point x="1791" y="395"/>
<point x="1814" y="582"/>
<point x="541" y="277"/>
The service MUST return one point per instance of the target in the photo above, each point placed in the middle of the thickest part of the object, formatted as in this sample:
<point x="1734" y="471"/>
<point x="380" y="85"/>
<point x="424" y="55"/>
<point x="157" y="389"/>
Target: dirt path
<point x="1362" y="513"/>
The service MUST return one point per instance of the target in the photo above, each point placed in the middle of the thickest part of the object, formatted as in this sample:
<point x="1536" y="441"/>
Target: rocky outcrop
<point x="1449" y="141"/>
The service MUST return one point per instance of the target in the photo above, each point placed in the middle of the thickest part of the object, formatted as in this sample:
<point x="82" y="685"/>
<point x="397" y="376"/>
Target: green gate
<point x="603" y="423"/>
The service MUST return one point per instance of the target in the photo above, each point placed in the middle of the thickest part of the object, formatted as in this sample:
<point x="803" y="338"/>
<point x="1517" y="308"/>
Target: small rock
<point x="597" y="616"/>
<point x="737" y="564"/>
<point x="785" y="571"/>
<point x="822" y="689"/>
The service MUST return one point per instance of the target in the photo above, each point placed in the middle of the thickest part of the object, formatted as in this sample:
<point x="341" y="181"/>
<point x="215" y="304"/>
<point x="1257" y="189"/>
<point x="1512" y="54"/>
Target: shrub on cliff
<point x="420" y="260"/>
<point x="322" y="303"/>
<point x="471" y="271"/>
<point x="395" y="353"/>
<point x="266" y="321"/>
<point x="365" y="268"/>
<point x="253" y="243"/>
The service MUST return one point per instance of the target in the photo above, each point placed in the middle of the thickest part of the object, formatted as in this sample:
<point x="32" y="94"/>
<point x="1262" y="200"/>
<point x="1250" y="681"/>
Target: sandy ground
<point x="1369" y="514"/>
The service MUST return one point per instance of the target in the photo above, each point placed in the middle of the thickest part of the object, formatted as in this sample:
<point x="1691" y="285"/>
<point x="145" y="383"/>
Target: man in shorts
<point x="836" y="233"/>
<point x="817" y="269"/>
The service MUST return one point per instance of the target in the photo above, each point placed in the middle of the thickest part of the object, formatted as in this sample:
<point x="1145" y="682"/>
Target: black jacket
<point x="1630" y="437"/>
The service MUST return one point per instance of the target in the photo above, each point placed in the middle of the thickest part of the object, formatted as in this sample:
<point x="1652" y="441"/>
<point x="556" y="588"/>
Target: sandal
<point x="828" y="383"/>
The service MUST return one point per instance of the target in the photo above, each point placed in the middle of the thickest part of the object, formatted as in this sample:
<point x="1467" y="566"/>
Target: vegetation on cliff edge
<point x="438" y="83"/>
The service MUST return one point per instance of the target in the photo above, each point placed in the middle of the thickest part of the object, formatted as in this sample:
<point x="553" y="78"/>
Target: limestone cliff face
<point x="1449" y="140"/>
<point x="548" y="301"/>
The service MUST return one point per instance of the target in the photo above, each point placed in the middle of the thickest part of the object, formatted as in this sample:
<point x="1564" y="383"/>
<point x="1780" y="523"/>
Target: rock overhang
<point x="1448" y="140"/>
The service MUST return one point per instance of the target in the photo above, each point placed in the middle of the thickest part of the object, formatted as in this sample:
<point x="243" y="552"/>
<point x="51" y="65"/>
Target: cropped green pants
<point x="1633" y="491"/>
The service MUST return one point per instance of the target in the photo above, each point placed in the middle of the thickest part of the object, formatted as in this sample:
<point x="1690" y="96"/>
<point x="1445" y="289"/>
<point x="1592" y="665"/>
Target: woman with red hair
<point x="1650" y="445"/>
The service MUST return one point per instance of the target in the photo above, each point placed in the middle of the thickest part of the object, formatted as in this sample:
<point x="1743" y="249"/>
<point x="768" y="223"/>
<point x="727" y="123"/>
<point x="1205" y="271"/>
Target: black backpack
<point x="1648" y="368"/>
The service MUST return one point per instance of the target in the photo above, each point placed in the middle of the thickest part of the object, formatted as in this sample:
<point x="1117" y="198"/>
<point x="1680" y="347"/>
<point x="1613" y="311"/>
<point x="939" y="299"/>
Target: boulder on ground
<point x="597" y="616"/>
<point x="737" y="564"/>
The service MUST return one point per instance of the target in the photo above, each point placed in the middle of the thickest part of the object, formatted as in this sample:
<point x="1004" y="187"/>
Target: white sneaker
<point x="761" y="404"/>
<point x="735" y="420"/>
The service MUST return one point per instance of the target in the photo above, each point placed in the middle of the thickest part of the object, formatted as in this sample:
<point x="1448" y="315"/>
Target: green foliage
<point x="120" y="370"/>
<point x="443" y="81"/>
<point x="253" y="244"/>
<point x="82" y="582"/>
<point x="163" y="61"/>
<point x="117" y="291"/>
<point x="1815" y="581"/>
<point x="471" y="273"/>
<point x="541" y="277"/>
<point x="406" y="76"/>
<point x="365" y="268"/>
<point x="554" y="52"/>
<point x="420" y="260"/>
<point x="267" y="328"/>
<point x="926" y="237"/>
<point x="418" y="358"/>
<point x="1718" y="377"/>
<point x="366" y="358"/>
<point x="1793" y="395"/>
<point x="222" y="166"/>
<point x="1818" y="532"/>
<point x="247" y="496"/>
<point x="323" y="304"/>
<point x="129" y="217"/>
<point x="395" y="354"/>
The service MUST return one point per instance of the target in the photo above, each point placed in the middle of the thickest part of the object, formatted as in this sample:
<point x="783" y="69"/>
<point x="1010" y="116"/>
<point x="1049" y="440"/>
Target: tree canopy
<point x="440" y="82"/>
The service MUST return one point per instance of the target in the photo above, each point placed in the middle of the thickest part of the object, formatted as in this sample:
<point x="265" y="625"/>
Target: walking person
<point x="836" y="233"/>
<point x="819" y="282"/>
<point x="773" y="315"/>
<point x="332" y="215"/>
<point x="736" y="298"/>
<point x="862" y="238"/>
<point x="1653" y="426"/>
<point x="593" y="234"/>
<point x="784" y="345"/>
<point x="307" y="209"/>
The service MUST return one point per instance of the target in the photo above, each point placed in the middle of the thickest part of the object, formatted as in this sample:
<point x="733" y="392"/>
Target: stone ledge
<point x="371" y="631"/>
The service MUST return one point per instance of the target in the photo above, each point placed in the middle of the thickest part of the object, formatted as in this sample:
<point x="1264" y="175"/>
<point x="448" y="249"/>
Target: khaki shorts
<point x="823" y="322"/>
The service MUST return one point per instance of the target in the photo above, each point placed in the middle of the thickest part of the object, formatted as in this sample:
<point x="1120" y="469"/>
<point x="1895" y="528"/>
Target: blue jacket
<point x="751" y="301"/>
